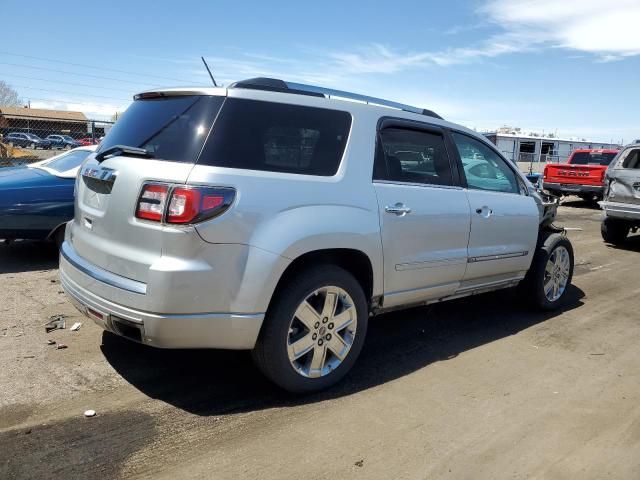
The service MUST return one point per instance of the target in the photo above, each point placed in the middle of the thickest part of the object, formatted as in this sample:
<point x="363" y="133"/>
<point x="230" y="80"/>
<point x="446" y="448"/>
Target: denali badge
<point x="99" y="173"/>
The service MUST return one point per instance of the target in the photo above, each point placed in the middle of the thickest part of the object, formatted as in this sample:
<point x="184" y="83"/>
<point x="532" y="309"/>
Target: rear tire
<point x="549" y="277"/>
<point x="614" y="231"/>
<point x="300" y="348"/>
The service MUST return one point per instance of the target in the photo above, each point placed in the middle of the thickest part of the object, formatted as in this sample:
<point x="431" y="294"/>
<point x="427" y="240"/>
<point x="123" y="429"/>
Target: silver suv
<point x="621" y="203"/>
<point x="279" y="217"/>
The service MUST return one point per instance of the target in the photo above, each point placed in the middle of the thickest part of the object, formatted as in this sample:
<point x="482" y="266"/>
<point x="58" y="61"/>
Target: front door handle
<point x="399" y="209"/>
<point x="485" y="211"/>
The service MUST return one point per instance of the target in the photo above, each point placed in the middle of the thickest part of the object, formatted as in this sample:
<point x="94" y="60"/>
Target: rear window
<point x="256" y="135"/>
<point x="592" y="158"/>
<point x="170" y="128"/>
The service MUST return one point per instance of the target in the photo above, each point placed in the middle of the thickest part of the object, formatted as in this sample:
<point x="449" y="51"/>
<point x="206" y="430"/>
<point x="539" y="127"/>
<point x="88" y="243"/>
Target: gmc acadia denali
<point x="278" y="217"/>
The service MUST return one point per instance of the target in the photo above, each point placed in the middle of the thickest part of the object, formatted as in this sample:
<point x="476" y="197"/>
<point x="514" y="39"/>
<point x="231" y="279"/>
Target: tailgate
<point x="105" y="230"/>
<point x="565" y="173"/>
<point x="170" y="130"/>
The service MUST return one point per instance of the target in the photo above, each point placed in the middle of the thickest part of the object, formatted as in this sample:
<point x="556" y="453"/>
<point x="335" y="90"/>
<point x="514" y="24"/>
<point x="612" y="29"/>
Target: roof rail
<point x="273" y="84"/>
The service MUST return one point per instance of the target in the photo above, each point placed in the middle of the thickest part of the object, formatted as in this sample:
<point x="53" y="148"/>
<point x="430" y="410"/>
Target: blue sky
<point x="569" y="66"/>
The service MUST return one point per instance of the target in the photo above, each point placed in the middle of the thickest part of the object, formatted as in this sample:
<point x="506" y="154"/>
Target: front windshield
<point x="68" y="138"/>
<point x="68" y="160"/>
<point x="33" y="137"/>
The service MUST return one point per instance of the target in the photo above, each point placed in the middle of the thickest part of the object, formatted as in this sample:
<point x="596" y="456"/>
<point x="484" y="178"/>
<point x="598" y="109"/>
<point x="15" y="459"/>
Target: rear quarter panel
<point x="291" y="215"/>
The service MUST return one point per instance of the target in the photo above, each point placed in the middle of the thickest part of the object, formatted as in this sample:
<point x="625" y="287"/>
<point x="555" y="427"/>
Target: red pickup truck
<point x="582" y="175"/>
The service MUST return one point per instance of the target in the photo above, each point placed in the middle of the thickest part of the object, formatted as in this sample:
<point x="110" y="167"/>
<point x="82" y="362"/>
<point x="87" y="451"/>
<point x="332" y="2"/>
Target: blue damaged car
<point x="36" y="200"/>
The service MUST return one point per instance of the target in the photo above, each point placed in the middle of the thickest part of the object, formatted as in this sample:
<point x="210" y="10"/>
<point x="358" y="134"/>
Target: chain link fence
<point x="28" y="138"/>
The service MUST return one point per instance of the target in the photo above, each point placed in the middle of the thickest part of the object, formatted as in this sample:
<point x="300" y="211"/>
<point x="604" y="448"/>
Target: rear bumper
<point x="569" y="188"/>
<point x="625" y="211"/>
<point x="226" y="330"/>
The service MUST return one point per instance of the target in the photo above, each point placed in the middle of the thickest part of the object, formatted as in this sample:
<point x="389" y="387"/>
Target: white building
<point x="526" y="148"/>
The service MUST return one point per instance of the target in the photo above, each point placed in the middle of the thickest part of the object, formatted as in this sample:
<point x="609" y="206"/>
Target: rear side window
<point x="170" y="128"/>
<point x="412" y="156"/>
<point x="256" y="135"/>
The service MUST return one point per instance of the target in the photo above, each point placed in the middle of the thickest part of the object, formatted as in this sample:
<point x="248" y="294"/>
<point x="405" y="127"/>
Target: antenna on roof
<point x="209" y="71"/>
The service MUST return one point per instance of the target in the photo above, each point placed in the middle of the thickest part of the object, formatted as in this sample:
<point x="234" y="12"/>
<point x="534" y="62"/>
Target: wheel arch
<point x="354" y="261"/>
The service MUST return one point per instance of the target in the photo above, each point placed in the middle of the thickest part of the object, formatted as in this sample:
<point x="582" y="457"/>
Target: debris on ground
<point x="28" y="356"/>
<point x="60" y="346"/>
<point x="51" y="342"/>
<point x="89" y="413"/>
<point x="359" y="463"/>
<point x="76" y="326"/>
<point x="55" y="322"/>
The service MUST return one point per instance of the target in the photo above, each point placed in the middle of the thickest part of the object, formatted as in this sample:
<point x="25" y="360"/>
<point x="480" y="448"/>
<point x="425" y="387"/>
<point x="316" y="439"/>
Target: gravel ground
<point x="474" y="388"/>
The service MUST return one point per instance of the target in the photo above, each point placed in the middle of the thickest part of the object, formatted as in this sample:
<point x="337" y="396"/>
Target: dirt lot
<point x="476" y="388"/>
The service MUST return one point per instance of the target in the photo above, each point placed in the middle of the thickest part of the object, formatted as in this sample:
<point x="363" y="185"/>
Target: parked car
<point x="88" y="141"/>
<point x="62" y="141"/>
<point x="26" y="140"/>
<point x="36" y="200"/>
<point x="621" y="203"/>
<point x="285" y="225"/>
<point x="582" y="175"/>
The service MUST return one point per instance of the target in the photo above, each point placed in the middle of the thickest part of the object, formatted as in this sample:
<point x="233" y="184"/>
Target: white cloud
<point x="606" y="29"/>
<point x="377" y="58"/>
<point x="588" y="27"/>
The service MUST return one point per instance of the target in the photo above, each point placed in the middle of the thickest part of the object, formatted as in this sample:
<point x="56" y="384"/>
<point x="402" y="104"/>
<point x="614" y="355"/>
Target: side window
<point x="277" y="137"/>
<point x="412" y="156"/>
<point x="632" y="160"/>
<point x="483" y="168"/>
<point x="289" y="147"/>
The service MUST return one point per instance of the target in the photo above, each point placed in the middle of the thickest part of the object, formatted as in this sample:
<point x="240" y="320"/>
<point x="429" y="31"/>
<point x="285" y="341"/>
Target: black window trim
<point x="406" y="124"/>
<point x="522" y="186"/>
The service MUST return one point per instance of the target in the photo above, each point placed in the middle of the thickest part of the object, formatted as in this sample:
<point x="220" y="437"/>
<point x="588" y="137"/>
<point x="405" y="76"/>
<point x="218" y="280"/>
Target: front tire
<point x="314" y="330"/>
<point x="614" y="231"/>
<point x="58" y="236"/>
<point x="551" y="271"/>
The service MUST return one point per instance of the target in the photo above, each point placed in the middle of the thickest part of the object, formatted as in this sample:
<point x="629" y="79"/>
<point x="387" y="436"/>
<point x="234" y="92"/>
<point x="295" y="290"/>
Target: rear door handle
<point x="399" y="209"/>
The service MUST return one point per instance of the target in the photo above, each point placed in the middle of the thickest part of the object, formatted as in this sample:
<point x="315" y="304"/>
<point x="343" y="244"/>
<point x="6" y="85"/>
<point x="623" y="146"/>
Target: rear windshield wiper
<point x="124" y="150"/>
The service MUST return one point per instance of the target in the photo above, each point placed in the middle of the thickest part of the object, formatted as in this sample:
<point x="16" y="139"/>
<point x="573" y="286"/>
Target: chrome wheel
<point x="322" y="332"/>
<point x="556" y="273"/>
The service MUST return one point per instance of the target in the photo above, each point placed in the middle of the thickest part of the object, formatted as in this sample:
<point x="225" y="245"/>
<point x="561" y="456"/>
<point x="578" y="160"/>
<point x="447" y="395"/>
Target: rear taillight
<point x="183" y="204"/>
<point x="152" y="202"/>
